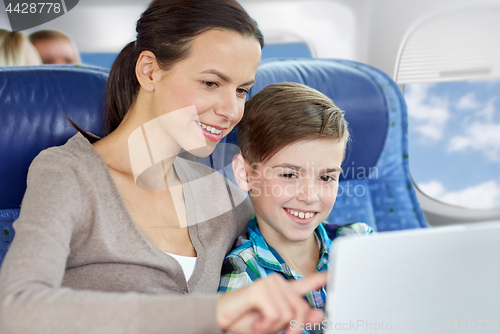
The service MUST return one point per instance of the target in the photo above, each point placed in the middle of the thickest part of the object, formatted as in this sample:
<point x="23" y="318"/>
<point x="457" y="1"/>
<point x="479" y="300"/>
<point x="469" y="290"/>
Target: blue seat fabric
<point x="33" y="101"/>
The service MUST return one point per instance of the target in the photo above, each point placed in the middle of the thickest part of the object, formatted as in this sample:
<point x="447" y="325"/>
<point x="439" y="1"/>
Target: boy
<point x="292" y="140"/>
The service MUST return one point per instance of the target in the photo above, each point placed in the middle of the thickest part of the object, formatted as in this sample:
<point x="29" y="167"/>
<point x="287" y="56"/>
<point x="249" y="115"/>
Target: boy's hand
<point x="269" y="305"/>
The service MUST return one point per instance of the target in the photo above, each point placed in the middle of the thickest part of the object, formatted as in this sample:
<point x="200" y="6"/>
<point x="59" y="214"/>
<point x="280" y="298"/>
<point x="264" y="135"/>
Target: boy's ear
<point x="240" y="173"/>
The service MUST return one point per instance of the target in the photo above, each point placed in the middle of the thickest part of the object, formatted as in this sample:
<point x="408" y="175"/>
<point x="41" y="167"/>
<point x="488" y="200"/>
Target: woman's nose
<point x="229" y="108"/>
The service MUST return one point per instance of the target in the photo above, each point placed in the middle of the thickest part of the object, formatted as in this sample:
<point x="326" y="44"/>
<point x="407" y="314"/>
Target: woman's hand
<point x="268" y="305"/>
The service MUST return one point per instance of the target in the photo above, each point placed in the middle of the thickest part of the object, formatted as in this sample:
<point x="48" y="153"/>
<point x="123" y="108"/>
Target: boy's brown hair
<point x="285" y="113"/>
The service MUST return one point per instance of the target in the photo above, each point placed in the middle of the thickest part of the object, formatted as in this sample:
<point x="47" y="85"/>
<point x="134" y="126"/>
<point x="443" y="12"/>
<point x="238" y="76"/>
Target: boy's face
<point x="294" y="191"/>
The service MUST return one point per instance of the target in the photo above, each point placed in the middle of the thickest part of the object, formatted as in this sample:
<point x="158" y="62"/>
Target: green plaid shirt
<point x="254" y="259"/>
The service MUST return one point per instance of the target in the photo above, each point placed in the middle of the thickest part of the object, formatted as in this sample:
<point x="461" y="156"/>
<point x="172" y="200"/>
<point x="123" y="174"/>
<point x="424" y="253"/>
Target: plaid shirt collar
<point x="268" y="258"/>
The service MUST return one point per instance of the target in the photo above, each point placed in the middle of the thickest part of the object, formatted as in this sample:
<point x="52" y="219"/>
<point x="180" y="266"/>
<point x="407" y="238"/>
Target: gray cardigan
<point x="80" y="264"/>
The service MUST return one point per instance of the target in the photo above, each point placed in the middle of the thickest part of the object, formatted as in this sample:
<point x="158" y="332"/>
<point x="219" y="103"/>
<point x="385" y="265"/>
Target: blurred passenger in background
<point x="16" y="50"/>
<point x="55" y="47"/>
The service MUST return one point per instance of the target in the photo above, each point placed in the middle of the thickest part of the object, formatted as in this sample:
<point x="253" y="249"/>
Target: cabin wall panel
<point x="328" y="27"/>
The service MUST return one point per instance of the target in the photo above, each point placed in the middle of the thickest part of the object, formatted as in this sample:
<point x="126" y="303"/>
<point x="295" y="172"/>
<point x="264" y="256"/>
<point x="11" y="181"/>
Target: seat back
<point x="33" y="102"/>
<point x="375" y="186"/>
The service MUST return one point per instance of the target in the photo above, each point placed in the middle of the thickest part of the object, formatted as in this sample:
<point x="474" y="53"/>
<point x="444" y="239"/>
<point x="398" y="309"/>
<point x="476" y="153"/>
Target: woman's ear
<point x="240" y="172"/>
<point x="144" y="69"/>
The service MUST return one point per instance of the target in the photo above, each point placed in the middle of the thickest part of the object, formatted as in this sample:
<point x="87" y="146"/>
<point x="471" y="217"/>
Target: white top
<point x="187" y="263"/>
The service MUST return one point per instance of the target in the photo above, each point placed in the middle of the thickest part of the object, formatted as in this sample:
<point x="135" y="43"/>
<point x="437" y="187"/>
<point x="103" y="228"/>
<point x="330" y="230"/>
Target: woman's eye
<point x="242" y="92"/>
<point x="327" y="178"/>
<point x="210" y="84"/>
<point x="288" y="176"/>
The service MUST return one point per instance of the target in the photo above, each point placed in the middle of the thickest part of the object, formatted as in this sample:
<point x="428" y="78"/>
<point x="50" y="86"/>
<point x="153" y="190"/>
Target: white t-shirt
<point x="187" y="263"/>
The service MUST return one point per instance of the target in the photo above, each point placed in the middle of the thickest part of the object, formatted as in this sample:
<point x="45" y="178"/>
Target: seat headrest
<point x="33" y="102"/>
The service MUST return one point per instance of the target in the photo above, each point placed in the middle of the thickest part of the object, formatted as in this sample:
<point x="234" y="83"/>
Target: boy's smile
<point x="294" y="191"/>
<point x="301" y="217"/>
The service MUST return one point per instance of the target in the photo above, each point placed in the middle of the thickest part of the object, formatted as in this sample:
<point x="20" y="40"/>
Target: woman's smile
<point x="211" y="132"/>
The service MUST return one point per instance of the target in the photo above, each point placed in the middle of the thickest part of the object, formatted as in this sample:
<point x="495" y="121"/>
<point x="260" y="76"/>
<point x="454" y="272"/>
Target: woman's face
<point x="215" y="79"/>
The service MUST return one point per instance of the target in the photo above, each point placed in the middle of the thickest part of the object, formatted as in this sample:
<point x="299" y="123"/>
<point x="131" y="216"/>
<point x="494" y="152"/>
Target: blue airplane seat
<point x="375" y="186"/>
<point x="33" y="101"/>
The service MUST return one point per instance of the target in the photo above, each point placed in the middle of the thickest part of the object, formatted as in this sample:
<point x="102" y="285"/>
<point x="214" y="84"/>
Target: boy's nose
<point x="308" y="193"/>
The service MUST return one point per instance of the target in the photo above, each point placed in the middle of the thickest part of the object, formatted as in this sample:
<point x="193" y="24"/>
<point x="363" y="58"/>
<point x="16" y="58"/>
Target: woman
<point x="89" y="251"/>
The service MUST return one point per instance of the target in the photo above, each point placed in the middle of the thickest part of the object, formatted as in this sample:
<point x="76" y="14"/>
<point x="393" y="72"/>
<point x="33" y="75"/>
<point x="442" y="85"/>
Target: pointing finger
<point x="311" y="283"/>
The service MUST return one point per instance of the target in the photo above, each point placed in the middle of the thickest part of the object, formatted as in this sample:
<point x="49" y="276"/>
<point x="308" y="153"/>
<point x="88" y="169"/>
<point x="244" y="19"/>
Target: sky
<point x="454" y="141"/>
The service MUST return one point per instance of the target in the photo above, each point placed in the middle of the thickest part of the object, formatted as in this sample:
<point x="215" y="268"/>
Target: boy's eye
<point x="288" y="176"/>
<point x="242" y="92"/>
<point x="327" y="178"/>
<point x="210" y="84"/>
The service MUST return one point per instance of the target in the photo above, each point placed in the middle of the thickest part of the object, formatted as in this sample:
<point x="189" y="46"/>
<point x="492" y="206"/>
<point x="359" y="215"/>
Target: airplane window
<point x="285" y="50"/>
<point x="454" y="141"/>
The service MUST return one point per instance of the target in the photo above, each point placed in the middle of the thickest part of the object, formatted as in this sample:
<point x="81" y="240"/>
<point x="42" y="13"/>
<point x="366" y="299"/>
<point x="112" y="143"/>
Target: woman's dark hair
<point x="166" y="29"/>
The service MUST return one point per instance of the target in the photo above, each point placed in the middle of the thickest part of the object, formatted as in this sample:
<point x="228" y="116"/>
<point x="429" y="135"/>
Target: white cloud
<point x="429" y="113"/>
<point x="432" y="188"/>
<point x="483" y="196"/>
<point x="480" y="132"/>
<point x="489" y="111"/>
<point x="468" y="101"/>
<point x="481" y="137"/>
<point x="459" y="143"/>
